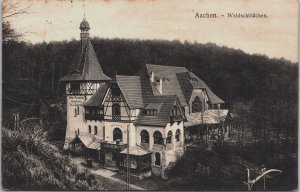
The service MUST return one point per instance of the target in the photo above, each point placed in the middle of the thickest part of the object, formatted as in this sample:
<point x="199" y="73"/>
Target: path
<point x="108" y="174"/>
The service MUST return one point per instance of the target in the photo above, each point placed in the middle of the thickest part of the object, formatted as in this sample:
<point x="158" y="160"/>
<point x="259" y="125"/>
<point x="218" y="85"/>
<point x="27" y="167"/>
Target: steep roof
<point x="162" y="70"/>
<point x="131" y="89"/>
<point x="170" y="82"/>
<point x="97" y="98"/>
<point x="86" y="67"/>
<point x="189" y="81"/>
<point x="163" y="115"/>
<point x="156" y="106"/>
<point x="186" y="87"/>
<point x="181" y="82"/>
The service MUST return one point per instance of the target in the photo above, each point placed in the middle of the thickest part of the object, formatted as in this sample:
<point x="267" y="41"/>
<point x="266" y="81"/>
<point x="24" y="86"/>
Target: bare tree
<point x="12" y="9"/>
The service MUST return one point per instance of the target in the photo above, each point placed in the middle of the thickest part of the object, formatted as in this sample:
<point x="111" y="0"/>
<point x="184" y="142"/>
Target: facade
<point x="134" y="123"/>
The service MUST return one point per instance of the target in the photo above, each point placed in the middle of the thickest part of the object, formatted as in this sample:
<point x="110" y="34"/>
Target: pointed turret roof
<point x="87" y="67"/>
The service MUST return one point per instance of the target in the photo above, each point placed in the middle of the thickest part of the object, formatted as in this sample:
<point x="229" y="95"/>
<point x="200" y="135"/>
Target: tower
<point x="85" y="77"/>
<point x="84" y="34"/>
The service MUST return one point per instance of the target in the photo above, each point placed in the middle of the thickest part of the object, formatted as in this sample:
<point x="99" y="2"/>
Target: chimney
<point x="160" y="86"/>
<point x="152" y="76"/>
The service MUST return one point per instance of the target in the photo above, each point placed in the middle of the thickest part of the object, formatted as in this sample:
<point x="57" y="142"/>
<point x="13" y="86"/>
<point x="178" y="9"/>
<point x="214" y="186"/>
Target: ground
<point x="115" y="181"/>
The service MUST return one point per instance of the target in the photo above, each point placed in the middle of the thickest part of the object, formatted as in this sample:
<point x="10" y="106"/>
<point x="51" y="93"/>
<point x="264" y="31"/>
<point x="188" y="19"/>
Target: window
<point x="158" y="139"/>
<point x="76" y="111"/>
<point x="174" y="110"/>
<point x="151" y="112"/>
<point x="196" y="105"/>
<point x="209" y="105"/>
<point x="193" y="79"/>
<point x="117" y="134"/>
<point x="169" y="138"/>
<point x="95" y="130"/>
<point x="90" y="129"/>
<point x="116" y="110"/>
<point x="157" y="159"/>
<point x="144" y="136"/>
<point x="77" y="131"/>
<point x="75" y="87"/>
<point x="177" y="136"/>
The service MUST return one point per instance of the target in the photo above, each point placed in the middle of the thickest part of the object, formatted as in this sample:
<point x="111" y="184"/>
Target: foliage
<point x="29" y="162"/>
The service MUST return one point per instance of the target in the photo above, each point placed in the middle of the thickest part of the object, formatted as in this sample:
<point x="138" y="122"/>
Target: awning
<point x="90" y="141"/>
<point x="211" y="116"/>
<point x="136" y="150"/>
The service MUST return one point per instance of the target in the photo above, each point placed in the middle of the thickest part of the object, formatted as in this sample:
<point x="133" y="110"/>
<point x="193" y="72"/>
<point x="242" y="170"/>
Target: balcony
<point x="113" y="145"/>
<point x="94" y="117"/>
<point x="116" y="117"/>
<point x="176" y="118"/>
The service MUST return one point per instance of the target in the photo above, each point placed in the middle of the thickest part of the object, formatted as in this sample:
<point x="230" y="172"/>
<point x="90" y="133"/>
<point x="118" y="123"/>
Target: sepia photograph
<point x="149" y="95"/>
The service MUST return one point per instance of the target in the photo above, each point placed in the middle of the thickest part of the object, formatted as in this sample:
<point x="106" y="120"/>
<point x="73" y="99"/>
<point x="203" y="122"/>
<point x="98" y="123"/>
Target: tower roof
<point x="84" y="25"/>
<point x="86" y="66"/>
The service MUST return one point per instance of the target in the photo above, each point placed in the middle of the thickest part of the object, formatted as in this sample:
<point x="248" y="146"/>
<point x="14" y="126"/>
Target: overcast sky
<point x="275" y="36"/>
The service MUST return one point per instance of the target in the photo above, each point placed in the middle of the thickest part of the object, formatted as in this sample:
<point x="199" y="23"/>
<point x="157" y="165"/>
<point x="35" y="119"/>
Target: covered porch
<point x="87" y="145"/>
<point x="139" y="161"/>
<point x="211" y="125"/>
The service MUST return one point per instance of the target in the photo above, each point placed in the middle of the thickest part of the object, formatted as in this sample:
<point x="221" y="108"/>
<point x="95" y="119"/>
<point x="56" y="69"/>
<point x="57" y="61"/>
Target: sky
<point x="275" y="36"/>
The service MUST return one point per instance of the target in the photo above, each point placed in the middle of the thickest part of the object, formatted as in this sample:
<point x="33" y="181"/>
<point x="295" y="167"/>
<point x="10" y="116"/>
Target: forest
<point x="261" y="92"/>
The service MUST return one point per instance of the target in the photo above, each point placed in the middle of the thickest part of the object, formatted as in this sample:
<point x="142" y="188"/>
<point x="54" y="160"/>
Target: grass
<point x="30" y="162"/>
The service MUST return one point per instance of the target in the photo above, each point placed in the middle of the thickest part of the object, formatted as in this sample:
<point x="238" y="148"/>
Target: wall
<point x="110" y="126"/>
<point x="202" y="96"/>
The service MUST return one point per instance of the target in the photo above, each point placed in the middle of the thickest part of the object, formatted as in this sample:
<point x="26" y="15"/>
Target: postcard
<point x="149" y="95"/>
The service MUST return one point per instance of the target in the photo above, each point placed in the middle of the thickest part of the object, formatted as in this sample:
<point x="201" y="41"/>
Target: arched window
<point x="196" y="105"/>
<point x="95" y="130"/>
<point x="177" y="136"/>
<point x="144" y="136"/>
<point x="157" y="159"/>
<point x="116" y="110"/>
<point x="117" y="134"/>
<point x="169" y="138"/>
<point x="90" y="129"/>
<point x="158" y="139"/>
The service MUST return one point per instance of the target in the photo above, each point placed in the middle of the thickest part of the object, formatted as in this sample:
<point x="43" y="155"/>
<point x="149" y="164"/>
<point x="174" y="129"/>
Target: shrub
<point x="30" y="162"/>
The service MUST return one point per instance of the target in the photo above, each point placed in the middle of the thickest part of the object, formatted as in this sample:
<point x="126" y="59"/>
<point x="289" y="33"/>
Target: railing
<point x="145" y="145"/>
<point x="94" y="117"/>
<point x="176" y="118"/>
<point x="116" y="117"/>
<point x="110" y="145"/>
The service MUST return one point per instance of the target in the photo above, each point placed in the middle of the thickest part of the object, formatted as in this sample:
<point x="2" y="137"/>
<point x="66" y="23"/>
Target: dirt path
<point x="115" y="184"/>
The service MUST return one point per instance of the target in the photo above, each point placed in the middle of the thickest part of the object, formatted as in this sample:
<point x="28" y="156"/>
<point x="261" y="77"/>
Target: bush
<point x="30" y="162"/>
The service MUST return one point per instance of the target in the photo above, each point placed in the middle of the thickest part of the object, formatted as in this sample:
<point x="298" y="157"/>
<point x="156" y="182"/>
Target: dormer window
<point x="153" y="109"/>
<point x="193" y="79"/>
<point x="151" y="112"/>
<point x="174" y="110"/>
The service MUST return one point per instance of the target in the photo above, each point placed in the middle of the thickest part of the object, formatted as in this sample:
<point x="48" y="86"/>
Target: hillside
<point x="31" y="73"/>
<point x="30" y="162"/>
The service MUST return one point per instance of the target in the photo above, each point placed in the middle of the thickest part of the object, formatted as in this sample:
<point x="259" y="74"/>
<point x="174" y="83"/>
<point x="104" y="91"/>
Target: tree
<point x="11" y="9"/>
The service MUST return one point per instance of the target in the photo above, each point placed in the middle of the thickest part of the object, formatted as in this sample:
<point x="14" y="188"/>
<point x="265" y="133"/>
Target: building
<point x="132" y="121"/>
